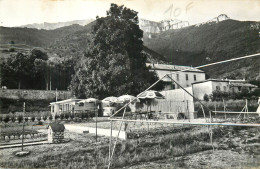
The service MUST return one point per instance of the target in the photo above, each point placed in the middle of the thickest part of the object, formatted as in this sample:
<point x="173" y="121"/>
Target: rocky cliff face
<point x="172" y="24"/>
<point x="157" y="27"/>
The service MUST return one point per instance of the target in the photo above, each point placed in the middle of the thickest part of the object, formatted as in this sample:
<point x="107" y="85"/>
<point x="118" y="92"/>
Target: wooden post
<point x="96" y="119"/>
<point x="203" y="113"/>
<point x="224" y="109"/>
<point x="110" y="140"/>
<point x="113" y="150"/>
<point x="23" y="123"/>
<point x="215" y="110"/>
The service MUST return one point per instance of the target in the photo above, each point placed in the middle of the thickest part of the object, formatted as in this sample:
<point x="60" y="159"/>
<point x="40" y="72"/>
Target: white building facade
<point x="183" y="75"/>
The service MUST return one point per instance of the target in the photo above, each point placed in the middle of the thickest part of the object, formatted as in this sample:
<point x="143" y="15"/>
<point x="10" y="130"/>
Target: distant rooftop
<point x="66" y="101"/>
<point x="232" y="82"/>
<point x="173" y="67"/>
<point x="214" y="80"/>
<point x="56" y="127"/>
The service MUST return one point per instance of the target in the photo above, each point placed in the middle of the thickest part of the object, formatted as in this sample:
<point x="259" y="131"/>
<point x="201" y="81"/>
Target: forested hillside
<point x="207" y="43"/>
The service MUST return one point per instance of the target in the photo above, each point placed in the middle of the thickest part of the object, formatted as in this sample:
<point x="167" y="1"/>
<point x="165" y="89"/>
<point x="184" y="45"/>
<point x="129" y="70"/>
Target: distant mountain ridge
<point x="211" y="42"/>
<point x="51" y="26"/>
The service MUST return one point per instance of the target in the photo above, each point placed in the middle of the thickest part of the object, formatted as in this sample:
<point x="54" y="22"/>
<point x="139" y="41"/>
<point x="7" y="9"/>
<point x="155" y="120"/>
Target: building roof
<point x="66" y="101"/>
<point x="232" y="83"/>
<point x="242" y="85"/>
<point x="57" y="127"/>
<point x="213" y="80"/>
<point x="173" y="67"/>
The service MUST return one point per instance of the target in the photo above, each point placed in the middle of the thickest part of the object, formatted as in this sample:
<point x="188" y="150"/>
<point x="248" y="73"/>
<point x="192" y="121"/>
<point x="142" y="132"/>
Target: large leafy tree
<point x="113" y="62"/>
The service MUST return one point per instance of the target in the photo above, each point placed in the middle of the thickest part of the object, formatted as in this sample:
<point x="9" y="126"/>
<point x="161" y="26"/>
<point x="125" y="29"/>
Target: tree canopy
<point x="36" y="70"/>
<point x="113" y="62"/>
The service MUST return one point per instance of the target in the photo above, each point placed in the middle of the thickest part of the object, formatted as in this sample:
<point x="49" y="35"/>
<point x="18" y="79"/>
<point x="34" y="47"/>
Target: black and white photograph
<point x="132" y="84"/>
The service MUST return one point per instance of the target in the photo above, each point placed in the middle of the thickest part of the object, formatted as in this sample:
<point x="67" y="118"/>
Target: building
<point x="238" y="85"/>
<point x="208" y="86"/>
<point x="64" y="106"/>
<point x="183" y="75"/>
<point x="56" y="133"/>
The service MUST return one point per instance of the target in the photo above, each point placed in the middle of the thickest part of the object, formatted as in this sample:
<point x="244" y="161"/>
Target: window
<point x="187" y="77"/>
<point x="178" y="77"/>
<point x="218" y="88"/>
<point x="225" y="88"/>
<point x="195" y="78"/>
<point x="173" y="86"/>
<point x="81" y="104"/>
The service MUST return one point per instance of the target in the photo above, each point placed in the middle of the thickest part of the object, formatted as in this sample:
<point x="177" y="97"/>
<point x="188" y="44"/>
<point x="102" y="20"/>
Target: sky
<point x="22" y="12"/>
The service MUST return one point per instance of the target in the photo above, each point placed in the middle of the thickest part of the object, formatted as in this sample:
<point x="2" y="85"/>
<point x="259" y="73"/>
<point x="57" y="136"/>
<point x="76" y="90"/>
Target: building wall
<point x="60" y="108"/>
<point x="222" y="86"/>
<point x="200" y="89"/>
<point x="175" y="102"/>
<point x="182" y="77"/>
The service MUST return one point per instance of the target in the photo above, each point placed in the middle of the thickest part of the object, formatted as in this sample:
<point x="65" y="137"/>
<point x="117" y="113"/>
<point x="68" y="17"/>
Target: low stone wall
<point x="34" y="94"/>
<point x="100" y="131"/>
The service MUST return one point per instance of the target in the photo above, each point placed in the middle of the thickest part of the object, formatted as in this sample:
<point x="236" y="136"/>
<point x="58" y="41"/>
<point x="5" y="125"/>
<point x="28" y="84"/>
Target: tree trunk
<point x="50" y="82"/>
<point x="47" y="85"/>
<point x="19" y="84"/>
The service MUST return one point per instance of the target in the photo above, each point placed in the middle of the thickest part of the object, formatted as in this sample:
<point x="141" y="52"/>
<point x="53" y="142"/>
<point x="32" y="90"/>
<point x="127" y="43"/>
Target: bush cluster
<point x="243" y="94"/>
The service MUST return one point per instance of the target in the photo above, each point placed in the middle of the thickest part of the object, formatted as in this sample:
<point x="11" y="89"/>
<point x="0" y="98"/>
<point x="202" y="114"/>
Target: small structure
<point x="56" y="133"/>
<point x="64" y="106"/>
<point x="208" y="86"/>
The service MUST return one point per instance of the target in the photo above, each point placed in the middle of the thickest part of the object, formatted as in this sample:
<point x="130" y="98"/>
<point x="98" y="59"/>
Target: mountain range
<point x="212" y="42"/>
<point x="51" y="26"/>
<point x="192" y="45"/>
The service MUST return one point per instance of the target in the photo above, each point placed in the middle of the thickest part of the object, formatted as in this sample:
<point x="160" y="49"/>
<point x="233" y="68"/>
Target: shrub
<point x="1" y="118"/>
<point x="50" y="118"/>
<point x="44" y="118"/>
<point x="6" y="119"/>
<point x="72" y="116"/>
<point x="67" y="116"/>
<point x="56" y="117"/>
<point x="33" y="118"/>
<point x="39" y="118"/>
<point x="13" y="118"/>
<point x="20" y="118"/>
<point x="62" y="116"/>
<point x="206" y="97"/>
<point x="26" y="119"/>
<point x="219" y="95"/>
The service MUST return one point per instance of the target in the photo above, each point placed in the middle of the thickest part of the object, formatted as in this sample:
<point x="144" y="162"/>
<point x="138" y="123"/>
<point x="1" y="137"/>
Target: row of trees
<point x="36" y="70"/>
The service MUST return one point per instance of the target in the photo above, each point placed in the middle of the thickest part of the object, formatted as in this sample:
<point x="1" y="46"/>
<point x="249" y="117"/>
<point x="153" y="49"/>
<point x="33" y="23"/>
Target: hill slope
<point x="210" y="43"/>
<point x="65" y="41"/>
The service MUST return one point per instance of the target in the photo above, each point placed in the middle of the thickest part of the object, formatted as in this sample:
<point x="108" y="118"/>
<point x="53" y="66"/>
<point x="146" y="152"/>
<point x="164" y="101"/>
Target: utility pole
<point x="23" y="123"/>
<point x="96" y="114"/>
